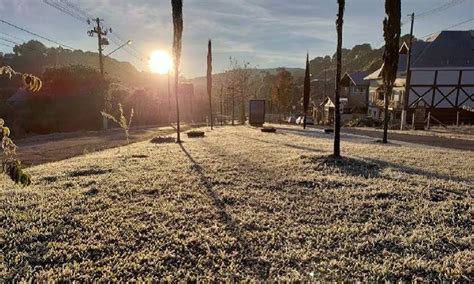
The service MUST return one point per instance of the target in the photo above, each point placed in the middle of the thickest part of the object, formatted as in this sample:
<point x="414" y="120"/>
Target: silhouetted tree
<point x="391" y="33"/>
<point x="307" y="90"/>
<point x="283" y="91"/>
<point x="337" y="114"/>
<point x="209" y="79"/>
<point x="177" y="6"/>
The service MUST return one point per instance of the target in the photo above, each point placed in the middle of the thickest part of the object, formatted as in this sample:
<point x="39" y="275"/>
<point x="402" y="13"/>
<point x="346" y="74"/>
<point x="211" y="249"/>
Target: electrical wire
<point x="68" y="9"/>
<point x="37" y="35"/>
<point x="7" y="45"/>
<point x="440" y="8"/>
<point x="450" y="27"/>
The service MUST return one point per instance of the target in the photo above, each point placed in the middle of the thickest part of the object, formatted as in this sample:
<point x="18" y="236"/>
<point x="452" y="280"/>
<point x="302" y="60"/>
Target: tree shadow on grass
<point x="250" y="259"/>
<point x="281" y="144"/>
<point x="369" y="167"/>
<point x="416" y="171"/>
<point x="344" y="165"/>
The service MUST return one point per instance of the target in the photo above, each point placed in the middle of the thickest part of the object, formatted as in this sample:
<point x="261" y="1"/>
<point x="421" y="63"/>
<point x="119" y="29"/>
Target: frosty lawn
<point x="242" y="204"/>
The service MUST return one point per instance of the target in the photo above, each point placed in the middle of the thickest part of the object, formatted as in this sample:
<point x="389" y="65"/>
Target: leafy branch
<point x="9" y="164"/>
<point x="31" y="82"/>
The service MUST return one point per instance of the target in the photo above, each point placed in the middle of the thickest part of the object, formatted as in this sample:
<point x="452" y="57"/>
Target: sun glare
<point x="160" y="62"/>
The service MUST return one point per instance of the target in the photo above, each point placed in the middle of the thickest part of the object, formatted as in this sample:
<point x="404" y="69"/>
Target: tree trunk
<point x="177" y="6"/>
<point x="392" y="30"/>
<point x="209" y="80"/>
<point x="307" y="90"/>
<point x="337" y="114"/>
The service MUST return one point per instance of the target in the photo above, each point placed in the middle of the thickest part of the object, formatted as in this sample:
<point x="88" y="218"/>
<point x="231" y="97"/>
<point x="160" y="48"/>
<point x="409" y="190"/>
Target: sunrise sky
<point x="267" y="33"/>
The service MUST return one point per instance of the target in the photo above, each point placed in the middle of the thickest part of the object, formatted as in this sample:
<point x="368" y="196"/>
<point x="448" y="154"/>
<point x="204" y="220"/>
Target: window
<point x="380" y="95"/>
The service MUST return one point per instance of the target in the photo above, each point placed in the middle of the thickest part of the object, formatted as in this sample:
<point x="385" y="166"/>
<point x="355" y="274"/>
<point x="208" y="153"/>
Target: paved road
<point x="451" y="143"/>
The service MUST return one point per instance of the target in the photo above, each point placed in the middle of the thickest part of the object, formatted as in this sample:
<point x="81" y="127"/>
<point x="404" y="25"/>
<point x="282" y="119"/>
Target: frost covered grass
<point x="241" y="204"/>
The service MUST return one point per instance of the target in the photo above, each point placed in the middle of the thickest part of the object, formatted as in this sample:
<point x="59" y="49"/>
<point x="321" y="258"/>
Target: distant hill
<point x="34" y="57"/>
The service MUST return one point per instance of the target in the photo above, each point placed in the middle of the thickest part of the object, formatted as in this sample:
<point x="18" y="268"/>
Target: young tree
<point x="337" y="114"/>
<point x="177" y="6"/>
<point x="209" y="79"/>
<point x="307" y="90"/>
<point x="391" y="33"/>
<point x="283" y="91"/>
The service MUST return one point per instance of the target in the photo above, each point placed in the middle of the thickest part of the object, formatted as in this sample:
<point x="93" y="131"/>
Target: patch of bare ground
<point x="243" y="205"/>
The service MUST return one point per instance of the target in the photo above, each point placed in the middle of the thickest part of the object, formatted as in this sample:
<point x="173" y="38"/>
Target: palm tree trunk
<point x="337" y="114"/>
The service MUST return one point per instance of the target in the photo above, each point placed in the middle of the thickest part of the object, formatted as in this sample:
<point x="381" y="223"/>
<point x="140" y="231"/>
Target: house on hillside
<point x="442" y="80"/>
<point x="353" y="100"/>
<point x="356" y="89"/>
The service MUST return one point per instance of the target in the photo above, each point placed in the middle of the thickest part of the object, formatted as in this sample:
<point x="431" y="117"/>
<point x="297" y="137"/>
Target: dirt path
<point x="42" y="149"/>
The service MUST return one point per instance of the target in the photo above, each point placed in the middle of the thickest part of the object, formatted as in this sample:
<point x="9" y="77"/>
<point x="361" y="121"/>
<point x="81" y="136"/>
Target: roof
<point x="357" y="78"/>
<point x="417" y="49"/>
<point x="448" y="49"/>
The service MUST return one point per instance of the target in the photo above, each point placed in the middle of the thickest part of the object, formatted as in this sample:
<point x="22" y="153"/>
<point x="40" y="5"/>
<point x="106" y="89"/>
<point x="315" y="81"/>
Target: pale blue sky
<point x="267" y="33"/>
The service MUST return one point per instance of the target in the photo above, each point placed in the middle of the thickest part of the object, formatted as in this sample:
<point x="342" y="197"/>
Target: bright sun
<point x="160" y="62"/>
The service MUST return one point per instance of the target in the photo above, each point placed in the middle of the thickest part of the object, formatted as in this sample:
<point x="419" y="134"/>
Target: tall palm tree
<point x="209" y="79"/>
<point x="391" y="33"/>
<point x="307" y="90"/>
<point x="177" y="6"/>
<point x="337" y="114"/>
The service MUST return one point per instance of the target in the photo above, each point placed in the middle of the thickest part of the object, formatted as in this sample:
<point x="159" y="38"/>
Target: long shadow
<point x="370" y="168"/>
<point x="281" y="144"/>
<point x="250" y="258"/>
<point x="415" y="171"/>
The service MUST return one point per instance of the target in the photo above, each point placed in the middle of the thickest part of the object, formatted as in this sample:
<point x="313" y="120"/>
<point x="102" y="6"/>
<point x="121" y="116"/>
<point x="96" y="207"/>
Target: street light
<point x="127" y="43"/>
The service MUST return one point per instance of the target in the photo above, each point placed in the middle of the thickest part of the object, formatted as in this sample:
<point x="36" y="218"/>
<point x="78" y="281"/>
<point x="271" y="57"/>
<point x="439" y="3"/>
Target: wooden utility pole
<point x="337" y="114"/>
<point x="233" y="106"/>
<point x="408" y="76"/>
<point x="101" y="41"/>
<point x="169" y="97"/>
<point x="220" y="102"/>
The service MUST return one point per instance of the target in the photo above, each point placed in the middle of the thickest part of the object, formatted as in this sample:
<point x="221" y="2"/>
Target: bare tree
<point x="307" y="90"/>
<point x="337" y="114"/>
<point x="209" y="79"/>
<point x="391" y="33"/>
<point x="177" y="6"/>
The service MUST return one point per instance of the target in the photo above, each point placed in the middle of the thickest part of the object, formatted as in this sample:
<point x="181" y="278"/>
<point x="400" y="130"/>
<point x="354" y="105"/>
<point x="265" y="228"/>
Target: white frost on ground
<point x="241" y="204"/>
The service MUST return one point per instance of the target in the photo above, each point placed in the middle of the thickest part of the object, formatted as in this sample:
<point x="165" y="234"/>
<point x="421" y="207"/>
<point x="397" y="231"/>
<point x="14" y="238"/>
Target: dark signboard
<point x="257" y="112"/>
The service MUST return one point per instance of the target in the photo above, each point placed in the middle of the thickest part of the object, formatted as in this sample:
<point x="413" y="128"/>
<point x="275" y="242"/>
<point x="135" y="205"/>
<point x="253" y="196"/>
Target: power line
<point x="69" y="9"/>
<point x="129" y="51"/>
<point x="37" y="35"/>
<point x="450" y="27"/>
<point x="132" y="47"/>
<point x="12" y="36"/>
<point x="7" y="45"/>
<point x="440" y="8"/>
<point x="10" y="41"/>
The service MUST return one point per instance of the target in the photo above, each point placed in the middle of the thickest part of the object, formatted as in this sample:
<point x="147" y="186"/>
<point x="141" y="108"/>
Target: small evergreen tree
<point x="391" y="33"/>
